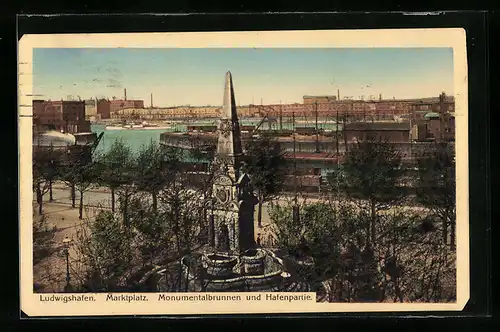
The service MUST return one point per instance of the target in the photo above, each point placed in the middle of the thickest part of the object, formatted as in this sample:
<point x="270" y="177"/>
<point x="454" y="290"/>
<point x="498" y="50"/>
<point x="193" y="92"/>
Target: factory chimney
<point x="151" y="100"/>
<point x="125" y="94"/>
<point x="338" y="94"/>
<point x="380" y="97"/>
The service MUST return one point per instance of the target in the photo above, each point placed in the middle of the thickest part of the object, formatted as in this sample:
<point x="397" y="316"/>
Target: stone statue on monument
<point x="223" y="238"/>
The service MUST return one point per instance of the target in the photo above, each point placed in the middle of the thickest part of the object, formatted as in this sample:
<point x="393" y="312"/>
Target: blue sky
<point x="196" y="76"/>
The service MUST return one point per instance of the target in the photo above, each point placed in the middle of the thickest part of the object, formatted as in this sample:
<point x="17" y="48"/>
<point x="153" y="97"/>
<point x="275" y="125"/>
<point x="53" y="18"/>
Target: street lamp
<point x="66" y="244"/>
<point x="285" y="277"/>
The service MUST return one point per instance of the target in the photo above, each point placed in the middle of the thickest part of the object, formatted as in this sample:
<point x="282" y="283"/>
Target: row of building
<point x="320" y="106"/>
<point x="74" y="115"/>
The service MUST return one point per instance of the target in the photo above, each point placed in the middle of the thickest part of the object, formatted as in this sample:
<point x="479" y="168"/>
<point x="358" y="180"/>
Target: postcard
<point x="243" y="172"/>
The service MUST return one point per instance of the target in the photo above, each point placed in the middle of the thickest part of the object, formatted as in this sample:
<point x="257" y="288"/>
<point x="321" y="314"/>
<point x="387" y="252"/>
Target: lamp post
<point x="66" y="245"/>
<point x="285" y="277"/>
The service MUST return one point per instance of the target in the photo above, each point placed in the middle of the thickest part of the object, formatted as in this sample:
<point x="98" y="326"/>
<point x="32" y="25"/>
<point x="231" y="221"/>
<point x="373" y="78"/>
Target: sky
<point x="178" y="76"/>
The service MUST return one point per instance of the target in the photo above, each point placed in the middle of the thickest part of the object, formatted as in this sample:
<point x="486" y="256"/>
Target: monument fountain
<point x="232" y="261"/>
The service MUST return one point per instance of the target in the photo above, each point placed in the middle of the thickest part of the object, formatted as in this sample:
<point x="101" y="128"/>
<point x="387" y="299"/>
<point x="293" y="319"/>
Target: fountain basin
<point x="219" y="265"/>
<point x="253" y="261"/>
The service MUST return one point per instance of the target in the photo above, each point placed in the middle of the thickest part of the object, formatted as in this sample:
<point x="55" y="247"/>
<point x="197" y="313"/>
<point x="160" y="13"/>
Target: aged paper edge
<point x="452" y="38"/>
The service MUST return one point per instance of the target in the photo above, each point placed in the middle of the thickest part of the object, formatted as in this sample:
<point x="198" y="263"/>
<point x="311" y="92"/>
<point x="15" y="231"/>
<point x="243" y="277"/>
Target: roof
<point x="324" y="96"/>
<point x="201" y="123"/>
<point x="54" y="138"/>
<point x="58" y="102"/>
<point x="397" y="126"/>
<point x="311" y="155"/>
<point x="431" y="115"/>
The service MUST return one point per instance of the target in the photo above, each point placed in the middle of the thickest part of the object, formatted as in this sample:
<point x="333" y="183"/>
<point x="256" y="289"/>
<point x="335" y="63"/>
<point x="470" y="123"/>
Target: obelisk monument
<point x="233" y="219"/>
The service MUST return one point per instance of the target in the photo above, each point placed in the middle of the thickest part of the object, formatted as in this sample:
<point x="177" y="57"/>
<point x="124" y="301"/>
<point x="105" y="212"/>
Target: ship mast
<point x="296" y="205"/>
<point x="316" y="127"/>
<point x="281" y="116"/>
<point x="337" y="133"/>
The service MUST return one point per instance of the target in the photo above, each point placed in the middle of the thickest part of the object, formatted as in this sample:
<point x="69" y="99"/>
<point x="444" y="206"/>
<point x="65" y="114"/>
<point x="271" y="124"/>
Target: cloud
<point x="114" y="72"/>
<point x="112" y="83"/>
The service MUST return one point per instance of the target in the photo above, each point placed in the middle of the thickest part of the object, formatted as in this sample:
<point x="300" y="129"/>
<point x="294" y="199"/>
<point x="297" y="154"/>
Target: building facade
<point x="104" y="109"/>
<point x="123" y="104"/>
<point x="183" y="112"/>
<point x="391" y="132"/>
<point x="66" y="116"/>
<point x="90" y="108"/>
<point x="318" y="99"/>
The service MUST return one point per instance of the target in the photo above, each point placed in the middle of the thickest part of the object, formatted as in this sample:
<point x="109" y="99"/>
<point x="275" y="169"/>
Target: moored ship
<point x="137" y="126"/>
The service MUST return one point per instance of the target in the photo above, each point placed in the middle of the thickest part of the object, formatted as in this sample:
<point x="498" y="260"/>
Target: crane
<point x="262" y="121"/>
<point x="94" y="144"/>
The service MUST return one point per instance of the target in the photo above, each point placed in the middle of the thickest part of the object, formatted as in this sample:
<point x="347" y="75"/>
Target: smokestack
<point x="380" y="97"/>
<point x="125" y="94"/>
<point x="151" y="100"/>
<point x="338" y="94"/>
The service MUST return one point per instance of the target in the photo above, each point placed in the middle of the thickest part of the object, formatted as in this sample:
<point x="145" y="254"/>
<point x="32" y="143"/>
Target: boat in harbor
<point x="135" y="126"/>
<point x="114" y="127"/>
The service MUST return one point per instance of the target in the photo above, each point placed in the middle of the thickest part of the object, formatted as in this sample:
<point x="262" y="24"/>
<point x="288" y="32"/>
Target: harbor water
<point x="136" y="138"/>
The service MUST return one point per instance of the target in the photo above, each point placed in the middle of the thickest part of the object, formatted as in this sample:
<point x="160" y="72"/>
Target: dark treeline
<point x="366" y="241"/>
<point x="368" y="238"/>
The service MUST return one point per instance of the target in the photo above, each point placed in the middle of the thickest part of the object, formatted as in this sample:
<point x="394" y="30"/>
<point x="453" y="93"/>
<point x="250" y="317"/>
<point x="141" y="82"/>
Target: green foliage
<point x="116" y="166"/>
<point x="314" y="233"/>
<point x="407" y="264"/>
<point x="437" y="185"/>
<point x="45" y="165"/>
<point x="46" y="169"/>
<point x="150" y="167"/>
<point x="105" y="252"/>
<point x="266" y="164"/>
<point x="42" y="239"/>
<point x="436" y="176"/>
<point x="153" y="230"/>
<point x="172" y="164"/>
<point x="287" y="230"/>
<point x="372" y="171"/>
<point x="415" y="265"/>
<point x="182" y="210"/>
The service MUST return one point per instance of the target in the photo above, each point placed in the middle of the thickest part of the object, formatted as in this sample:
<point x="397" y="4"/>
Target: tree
<point x="152" y="229"/>
<point x="437" y="186"/>
<point x="287" y="230"/>
<point x="115" y="167"/>
<point x="105" y="252"/>
<point x="81" y="176"/>
<point x="182" y="209"/>
<point x="119" y="173"/>
<point x="323" y="238"/>
<point x="86" y="176"/>
<point x="73" y="163"/>
<point x="156" y="166"/>
<point x="330" y="236"/>
<point x="45" y="169"/>
<point x="266" y="164"/>
<point x="415" y="264"/>
<point x="43" y="244"/>
<point x="371" y="172"/>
